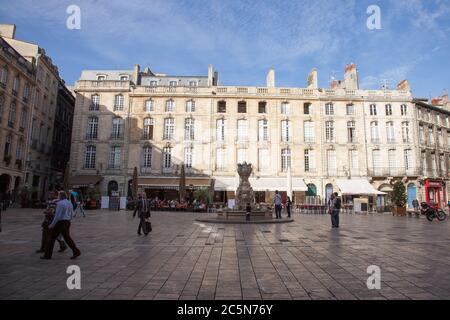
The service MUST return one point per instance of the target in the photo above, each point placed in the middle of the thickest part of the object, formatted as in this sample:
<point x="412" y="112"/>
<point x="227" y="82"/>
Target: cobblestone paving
<point x="184" y="259"/>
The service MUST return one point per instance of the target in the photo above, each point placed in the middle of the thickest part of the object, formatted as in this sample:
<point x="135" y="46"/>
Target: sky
<point x="243" y="39"/>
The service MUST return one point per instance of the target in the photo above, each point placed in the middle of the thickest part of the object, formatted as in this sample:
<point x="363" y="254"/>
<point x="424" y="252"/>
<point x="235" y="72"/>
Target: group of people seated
<point x="175" y="205"/>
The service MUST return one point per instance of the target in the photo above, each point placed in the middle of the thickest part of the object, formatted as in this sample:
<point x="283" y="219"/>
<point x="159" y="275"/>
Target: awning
<point x="225" y="183"/>
<point x="173" y="183"/>
<point x="84" y="181"/>
<point x="278" y="183"/>
<point x="356" y="187"/>
<point x="386" y="189"/>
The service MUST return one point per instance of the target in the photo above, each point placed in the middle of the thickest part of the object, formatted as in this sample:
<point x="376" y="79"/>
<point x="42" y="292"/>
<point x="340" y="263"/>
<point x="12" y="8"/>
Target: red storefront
<point x="435" y="192"/>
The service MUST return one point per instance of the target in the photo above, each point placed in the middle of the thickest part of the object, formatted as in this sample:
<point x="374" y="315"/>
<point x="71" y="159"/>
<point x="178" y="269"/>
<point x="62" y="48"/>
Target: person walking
<point x="79" y="205"/>
<point x="277" y="202"/>
<point x="335" y="209"/>
<point x="143" y="211"/>
<point x="61" y="225"/>
<point x="415" y="204"/>
<point x="288" y="206"/>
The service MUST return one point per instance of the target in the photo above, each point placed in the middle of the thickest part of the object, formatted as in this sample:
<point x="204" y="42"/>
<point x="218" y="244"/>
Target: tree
<point x="399" y="196"/>
<point x="202" y="194"/>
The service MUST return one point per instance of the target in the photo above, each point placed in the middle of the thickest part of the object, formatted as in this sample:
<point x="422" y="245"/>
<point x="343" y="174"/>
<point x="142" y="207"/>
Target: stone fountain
<point x="244" y="193"/>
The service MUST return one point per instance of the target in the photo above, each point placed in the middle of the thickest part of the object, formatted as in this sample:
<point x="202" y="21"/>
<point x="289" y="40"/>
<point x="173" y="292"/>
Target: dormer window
<point x="173" y="83"/>
<point x="153" y="83"/>
<point x="124" y="78"/>
<point x="101" y="77"/>
<point x="193" y="84"/>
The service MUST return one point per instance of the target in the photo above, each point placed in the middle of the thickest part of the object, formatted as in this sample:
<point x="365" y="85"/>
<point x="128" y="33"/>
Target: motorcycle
<point x="432" y="213"/>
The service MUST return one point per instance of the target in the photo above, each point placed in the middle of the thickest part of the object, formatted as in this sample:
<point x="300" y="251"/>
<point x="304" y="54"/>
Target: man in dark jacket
<point x="143" y="211"/>
<point x="336" y="207"/>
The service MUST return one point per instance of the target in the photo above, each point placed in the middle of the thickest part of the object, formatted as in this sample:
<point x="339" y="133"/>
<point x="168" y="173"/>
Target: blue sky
<point x="244" y="38"/>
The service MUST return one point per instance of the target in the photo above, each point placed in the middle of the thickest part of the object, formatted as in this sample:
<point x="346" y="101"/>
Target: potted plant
<point x="399" y="199"/>
<point x="203" y="197"/>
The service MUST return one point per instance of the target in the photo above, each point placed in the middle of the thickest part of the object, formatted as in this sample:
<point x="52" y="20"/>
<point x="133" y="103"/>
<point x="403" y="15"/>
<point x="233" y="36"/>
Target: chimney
<point x="351" y="80"/>
<point x="210" y="75"/>
<point x="270" y="79"/>
<point x="8" y="30"/>
<point x="136" y="71"/>
<point x="404" y="85"/>
<point x="334" y="84"/>
<point x="312" y="79"/>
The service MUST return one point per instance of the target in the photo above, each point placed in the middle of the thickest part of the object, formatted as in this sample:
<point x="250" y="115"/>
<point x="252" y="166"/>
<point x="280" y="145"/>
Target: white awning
<point x="260" y="184"/>
<point x="225" y="183"/>
<point x="357" y="187"/>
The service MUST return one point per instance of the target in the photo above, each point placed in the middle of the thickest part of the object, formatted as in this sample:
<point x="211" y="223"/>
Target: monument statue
<point x="244" y="193"/>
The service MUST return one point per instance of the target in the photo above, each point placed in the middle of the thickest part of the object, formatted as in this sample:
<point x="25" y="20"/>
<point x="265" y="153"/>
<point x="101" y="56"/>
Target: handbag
<point x="148" y="226"/>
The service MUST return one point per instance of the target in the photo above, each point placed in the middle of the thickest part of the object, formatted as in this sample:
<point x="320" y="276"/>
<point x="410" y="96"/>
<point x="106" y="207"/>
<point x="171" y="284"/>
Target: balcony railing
<point x="393" y="172"/>
<point x="91" y="136"/>
<point x="146" y="170"/>
<point x="117" y="136"/>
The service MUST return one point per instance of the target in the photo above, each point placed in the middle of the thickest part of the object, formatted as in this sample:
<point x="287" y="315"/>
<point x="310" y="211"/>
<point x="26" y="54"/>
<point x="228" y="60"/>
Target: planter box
<point x="398" y="211"/>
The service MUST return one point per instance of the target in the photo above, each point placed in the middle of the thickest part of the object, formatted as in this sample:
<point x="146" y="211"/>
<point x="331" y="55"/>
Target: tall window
<point x="332" y="162"/>
<point x="221" y="129"/>
<point x="350" y="108"/>
<point x="3" y="76"/>
<point x="114" y="158"/>
<point x="421" y="134"/>
<point x="149" y="105"/>
<point x="405" y="132"/>
<point x="189" y="129"/>
<point x="190" y="106"/>
<point x="15" y="87"/>
<point x="404" y="109"/>
<point x="242" y="107"/>
<point x="89" y="157"/>
<point x="354" y="162"/>
<point x="170" y="106"/>
<point x="147" y="153"/>
<point x="242" y="130"/>
<point x="329" y="131"/>
<point x="424" y="164"/>
<point x="173" y="83"/>
<point x="390" y="132"/>
<point x="285" y="108"/>
<point x="118" y="102"/>
<point x="23" y="118"/>
<point x="285" y="159"/>
<point x="262" y="107"/>
<point x="263" y="130"/>
<point x="19" y="150"/>
<point x="12" y="115"/>
<point x="26" y="92"/>
<point x="2" y="107"/>
<point x="408" y="159"/>
<point x="241" y="155"/>
<point x="221" y="107"/>
<point x="188" y="156"/>
<point x="148" y="128"/>
<point x="431" y="136"/>
<point x="169" y="127"/>
<point x="389" y="110"/>
<point x="351" y="131"/>
<point x="392" y="160"/>
<point x="433" y="164"/>
<point x="92" y="130"/>
<point x="167" y="157"/>
<point x="285" y="131"/>
<point x="95" y="103"/>
<point x="376" y="161"/>
<point x="310" y="161"/>
<point x="117" y="128"/>
<point x="329" y="109"/>
<point x="307" y="108"/>
<point x="448" y="139"/>
<point x="308" y="128"/>
<point x="442" y="163"/>
<point x="193" y="84"/>
<point x="373" y="109"/>
<point x="8" y="143"/>
<point x="221" y="159"/>
<point x="263" y="160"/>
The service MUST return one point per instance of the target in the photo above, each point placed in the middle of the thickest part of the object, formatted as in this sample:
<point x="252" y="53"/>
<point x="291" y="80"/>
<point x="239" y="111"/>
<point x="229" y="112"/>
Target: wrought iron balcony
<point x="393" y="172"/>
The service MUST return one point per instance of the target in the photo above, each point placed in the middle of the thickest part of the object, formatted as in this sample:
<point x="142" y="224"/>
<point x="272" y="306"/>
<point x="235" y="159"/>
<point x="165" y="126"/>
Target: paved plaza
<point x="184" y="259"/>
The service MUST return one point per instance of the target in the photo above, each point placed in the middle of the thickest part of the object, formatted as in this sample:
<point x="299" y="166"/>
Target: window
<point x="389" y="110"/>
<point x="448" y="139"/>
<point x="421" y="135"/>
<point x="408" y="159"/>
<point x="169" y="127"/>
<point x="189" y="129"/>
<point x="220" y="129"/>
<point x="15" y="88"/>
<point x="23" y="118"/>
<point x="241" y="155"/>
<point x="310" y="161"/>
<point x="354" y="162"/>
<point x="263" y="130"/>
<point x="19" y="150"/>
<point x="262" y="107"/>
<point x="263" y="160"/>
<point x="376" y="161"/>
<point x="8" y="143"/>
<point x="89" y="157"/>
<point x="442" y="163"/>
<point x="2" y="107"/>
<point x="173" y="83"/>
<point x="392" y="160"/>
<point x="221" y="107"/>
<point x="101" y="78"/>
<point x="329" y="109"/>
<point x="404" y="109"/>
<point x="3" y="76"/>
<point x="433" y="164"/>
<point x="242" y="107"/>
<point x="148" y="128"/>
<point x="351" y="131"/>
<point x="170" y="105"/>
<point x="373" y="109"/>
<point x="221" y="159"/>
<point x="309" y="131"/>
<point x="390" y="132"/>
<point x="350" y="109"/>
<point x="147" y="153"/>
<point x="114" y="159"/>
<point x="26" y="92"/>
<point x="329" y="131"/>
<point x="285" y="108"/>
<point x="167" y="157"/>
<point x="118" y="102"/>
<point x="285" y="159"/>
<point x="307" y="108"/>
<point x="424" y="164"/>
<point x="332" y="163"/>
<point x="12" y="115"/>
<point x="242" y="130"/>
<point x="405" y="132"/>
<point x="193" y="84"/>
<point x="153" y="83"/>
<point x="124" y="78"/>
<point x="285" y="131"/>
<point x="117" y="128"/>
<point x="431" y="136"/>
<point x="190" y="106"/>
<point x="149" y="106"/>
<point x="92" y="129"/>
<point x="95" y="99"/>
<point x="188" y="156"/>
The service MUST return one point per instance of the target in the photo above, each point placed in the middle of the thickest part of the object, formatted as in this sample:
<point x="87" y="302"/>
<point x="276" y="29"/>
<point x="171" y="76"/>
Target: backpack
<point x="338" y="204"/>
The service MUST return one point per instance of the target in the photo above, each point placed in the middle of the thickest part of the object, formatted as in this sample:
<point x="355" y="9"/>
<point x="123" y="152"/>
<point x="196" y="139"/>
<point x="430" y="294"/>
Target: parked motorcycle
<point x="432" y="213"/>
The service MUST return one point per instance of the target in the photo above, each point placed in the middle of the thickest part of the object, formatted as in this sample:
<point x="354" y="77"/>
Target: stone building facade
<point x="316" y="136"/>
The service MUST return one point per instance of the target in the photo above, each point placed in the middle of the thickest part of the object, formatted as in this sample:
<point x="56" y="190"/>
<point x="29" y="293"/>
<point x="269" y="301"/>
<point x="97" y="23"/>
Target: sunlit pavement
<point x="184" y="259"/>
